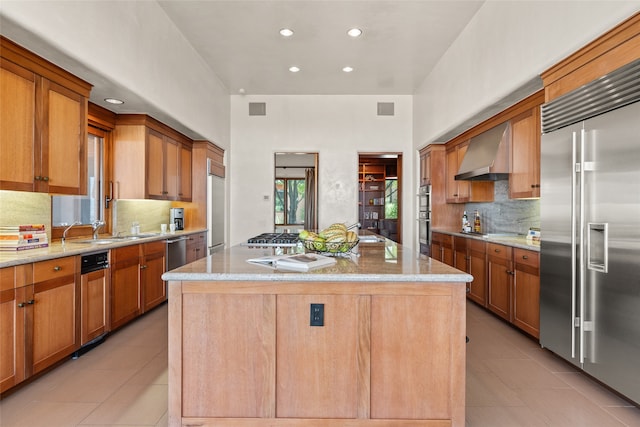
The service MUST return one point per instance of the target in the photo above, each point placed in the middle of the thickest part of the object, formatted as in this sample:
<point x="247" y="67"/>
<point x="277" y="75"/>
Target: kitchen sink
<point x="112" y="239"/>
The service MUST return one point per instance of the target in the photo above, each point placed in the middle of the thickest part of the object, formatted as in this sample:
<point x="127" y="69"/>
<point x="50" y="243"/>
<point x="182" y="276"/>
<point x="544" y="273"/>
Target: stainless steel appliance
<point x="176" y="252"/>
<point x="176" y="216"/>
<point x="590" y="223"/>
<point x="266" y="240"/>
<point x="424" y="219"/>
<point x="215" y="210"/>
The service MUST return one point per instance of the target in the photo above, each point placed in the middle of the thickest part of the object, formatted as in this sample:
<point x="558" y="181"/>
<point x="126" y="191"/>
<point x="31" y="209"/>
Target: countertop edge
<point x="58" y="250"/>
<point x="311" y="277"/>
<point x="516" y="242"/>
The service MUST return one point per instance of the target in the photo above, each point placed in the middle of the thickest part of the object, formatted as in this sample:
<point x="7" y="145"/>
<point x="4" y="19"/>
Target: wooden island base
<point x="243" y="353"/>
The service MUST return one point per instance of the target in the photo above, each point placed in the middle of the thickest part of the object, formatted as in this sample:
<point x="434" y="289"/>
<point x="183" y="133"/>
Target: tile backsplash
<point x="505" y="215"/>
<point x="148" y="213"/>
<point x="22" y="207"/>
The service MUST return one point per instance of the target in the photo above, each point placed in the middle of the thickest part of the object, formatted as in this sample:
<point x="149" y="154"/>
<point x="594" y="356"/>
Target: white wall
<point x="336" y="127"/>
<point x="505" y="46"/>
<point x="134" y="44"/>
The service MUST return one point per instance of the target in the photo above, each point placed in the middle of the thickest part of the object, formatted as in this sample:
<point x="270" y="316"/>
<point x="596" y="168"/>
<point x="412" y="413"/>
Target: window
<point x="391" y="199"/>
<point x="65" y="210"/>
<point x="289" y="201"/>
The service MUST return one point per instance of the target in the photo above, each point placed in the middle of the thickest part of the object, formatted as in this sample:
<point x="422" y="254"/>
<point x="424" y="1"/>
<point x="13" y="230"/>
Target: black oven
<point x="424" y="219"/>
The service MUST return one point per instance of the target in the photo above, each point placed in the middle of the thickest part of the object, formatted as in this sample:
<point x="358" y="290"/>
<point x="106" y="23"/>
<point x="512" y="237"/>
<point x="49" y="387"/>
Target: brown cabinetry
<point x="16" y="297"/>
<point x="43" y="111"/>
<point x="526" y="291"/>
<point x="148" y="161"/>
<point x="125" y="285"/>
<point x="442" y="248"/>
<point x="94" y="308"/>
<point x="478" y="269"/>
<point x="500" y="270"/>
<point x="152" y="267"/>
<point x="196" y="247"/>
<point x="55" y="323"/>
<point x="463" y="191"/>
<point x="524" y="177"/>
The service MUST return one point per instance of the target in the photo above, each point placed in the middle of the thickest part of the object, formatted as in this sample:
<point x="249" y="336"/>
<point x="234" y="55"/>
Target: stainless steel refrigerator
<point x="215" y="211"/>
<point x="590" y="224"/>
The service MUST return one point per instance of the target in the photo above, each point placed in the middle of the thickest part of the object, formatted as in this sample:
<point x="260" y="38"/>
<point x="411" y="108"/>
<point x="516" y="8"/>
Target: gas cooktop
<point x="274" y="239"/>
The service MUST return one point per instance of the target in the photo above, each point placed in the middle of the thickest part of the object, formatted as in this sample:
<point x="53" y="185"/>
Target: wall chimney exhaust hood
<point x="487" y="158"/>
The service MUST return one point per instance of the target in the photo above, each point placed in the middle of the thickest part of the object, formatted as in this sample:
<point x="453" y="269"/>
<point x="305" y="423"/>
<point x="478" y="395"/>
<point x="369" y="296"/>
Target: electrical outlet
<point x="317" y="315"/>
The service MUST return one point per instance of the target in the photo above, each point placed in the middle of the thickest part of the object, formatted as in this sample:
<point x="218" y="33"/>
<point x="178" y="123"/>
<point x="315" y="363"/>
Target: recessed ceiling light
<point x="355" y="32"/>
<point x="114" y="101"/>
<point x="347" y="69"/>
<point x="286" y="32"/>
<point x="294" y="69"/>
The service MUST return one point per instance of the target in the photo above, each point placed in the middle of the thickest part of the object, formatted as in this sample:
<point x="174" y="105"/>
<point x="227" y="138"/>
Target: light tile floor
<point x="511" y="382"/>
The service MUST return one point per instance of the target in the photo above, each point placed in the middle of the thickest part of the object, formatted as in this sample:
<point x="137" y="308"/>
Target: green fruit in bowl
<point x="303" y="235"/>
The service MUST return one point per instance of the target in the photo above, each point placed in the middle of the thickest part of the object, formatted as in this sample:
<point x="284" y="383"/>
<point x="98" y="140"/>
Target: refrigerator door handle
<point x="598" y="247"/>
<point x="574" y="171"/>
<point x="581" y="278"/>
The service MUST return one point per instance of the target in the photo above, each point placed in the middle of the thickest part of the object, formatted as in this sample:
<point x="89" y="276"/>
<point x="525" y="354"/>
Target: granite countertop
<point x="381" y="261"/>
<point x="79" y="246"/>
<point x="516" y="241"/>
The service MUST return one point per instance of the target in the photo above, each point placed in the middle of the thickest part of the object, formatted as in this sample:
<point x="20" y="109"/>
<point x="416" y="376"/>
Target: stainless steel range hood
<point x="487" y="158"/>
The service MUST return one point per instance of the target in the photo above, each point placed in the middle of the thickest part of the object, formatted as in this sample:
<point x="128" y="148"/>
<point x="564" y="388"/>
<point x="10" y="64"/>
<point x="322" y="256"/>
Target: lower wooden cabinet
<point x="476" y="251"/>
<point x="500" y="270"/>
<point x="442" y="247"/>
<point x="153" y="288"/>
<point x="196" y="247"/>
<point x="15" y="296"/>
<point x="56" y="318"/>
<point x="526" y="291"/>
<point x="125" y="285"/>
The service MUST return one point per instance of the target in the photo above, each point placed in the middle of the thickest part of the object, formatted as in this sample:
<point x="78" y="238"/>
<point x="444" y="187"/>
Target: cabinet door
<point x="64" y="141"/>
<point x="451" y="185"/>
<point x="153" y="287"/>
<point x="172" y="152"/>
<point x="524" y="180"/>
<point x="478" y="269"/>
<point x="55" y="327"/>
<point x="326" y="355"/>
<point x="425" y="168"/>
<point x="155" y="165"/>
<point x="185" y="173"/>
<point x="460" y="255"/>
<point x="526" y="291"/>
<point x="94" y="289"/>
<point x="447" y="250"/>
<point x="500" y="274"/>
<point x="125" y="286"/>
<point x="17" y="133"/>
<point x="15" y="307"/>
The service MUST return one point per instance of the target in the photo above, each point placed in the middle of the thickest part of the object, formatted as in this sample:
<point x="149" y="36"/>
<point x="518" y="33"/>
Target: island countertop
<point x="373" y="262"/>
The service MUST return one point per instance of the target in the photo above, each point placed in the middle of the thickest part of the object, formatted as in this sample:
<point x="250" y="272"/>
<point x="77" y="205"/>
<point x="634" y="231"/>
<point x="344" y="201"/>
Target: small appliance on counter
<point x="176" y="216"/>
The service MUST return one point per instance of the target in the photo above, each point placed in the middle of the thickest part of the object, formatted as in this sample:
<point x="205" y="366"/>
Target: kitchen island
<point x="389" y="348"/>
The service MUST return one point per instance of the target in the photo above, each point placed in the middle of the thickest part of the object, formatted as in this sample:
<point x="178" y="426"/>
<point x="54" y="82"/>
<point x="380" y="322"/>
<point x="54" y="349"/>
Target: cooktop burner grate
<point x="274" y="239"/>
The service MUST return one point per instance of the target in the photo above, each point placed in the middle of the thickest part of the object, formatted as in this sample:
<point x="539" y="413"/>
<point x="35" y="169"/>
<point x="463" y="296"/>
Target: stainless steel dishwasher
<point x="176" y="252"/>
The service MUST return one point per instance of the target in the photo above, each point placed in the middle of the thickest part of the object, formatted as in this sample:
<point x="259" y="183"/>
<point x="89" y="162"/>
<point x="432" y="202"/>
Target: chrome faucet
<point x="95" y="226"/>
<point x="64" y="233"/>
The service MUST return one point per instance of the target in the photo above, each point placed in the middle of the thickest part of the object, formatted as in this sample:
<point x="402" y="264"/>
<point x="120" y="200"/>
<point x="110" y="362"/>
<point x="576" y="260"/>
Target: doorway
<point x="380" y="194"/>
<point x="295" y="191"/>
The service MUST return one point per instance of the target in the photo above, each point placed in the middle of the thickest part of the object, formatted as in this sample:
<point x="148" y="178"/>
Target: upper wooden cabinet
<point x="524" y="178"/>
<point x="43" y="116"/>
<point x="464" y="191"/>
<point x="151" y="160"/>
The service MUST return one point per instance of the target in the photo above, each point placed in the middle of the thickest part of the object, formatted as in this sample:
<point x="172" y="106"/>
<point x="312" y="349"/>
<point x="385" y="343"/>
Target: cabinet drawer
<point x="476" y="245"/>
<point x="154" y="247"/>
<point x="54" y="268"/>
<point x="460" y="243"/>
<point x="124" y="253"/>
<point x="499" y="251"/>
<point x="523" y="256"/>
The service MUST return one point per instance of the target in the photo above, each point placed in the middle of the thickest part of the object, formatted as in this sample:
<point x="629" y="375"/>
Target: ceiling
<point x="402" y="41"/>
<point x="400" y="44"/>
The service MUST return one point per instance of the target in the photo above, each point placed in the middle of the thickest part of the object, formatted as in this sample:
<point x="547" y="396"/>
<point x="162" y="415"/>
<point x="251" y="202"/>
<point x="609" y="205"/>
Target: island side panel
<point x="228" y="357"/>
<point x="174" y="408"/>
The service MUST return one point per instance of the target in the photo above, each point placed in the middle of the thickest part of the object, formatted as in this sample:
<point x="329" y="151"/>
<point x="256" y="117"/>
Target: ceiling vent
<point x="386" y="108"/>
<point x="257" y="108"/>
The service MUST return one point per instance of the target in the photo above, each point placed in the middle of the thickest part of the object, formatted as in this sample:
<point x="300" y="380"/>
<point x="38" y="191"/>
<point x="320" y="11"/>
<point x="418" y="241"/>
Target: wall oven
<point x="424" y="219"/>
